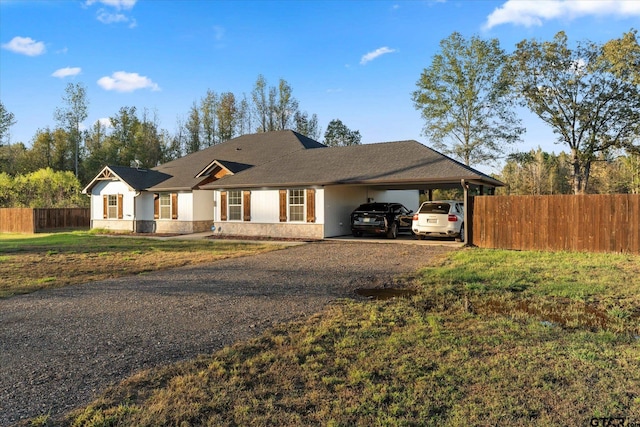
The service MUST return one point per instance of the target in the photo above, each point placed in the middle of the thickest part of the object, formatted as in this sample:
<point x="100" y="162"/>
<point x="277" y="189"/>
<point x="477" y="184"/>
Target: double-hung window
<point x="235" y="205"/>
<point x="165" y="206"/>
<point x="296" y="205"/>
<point x="112" y="206"/>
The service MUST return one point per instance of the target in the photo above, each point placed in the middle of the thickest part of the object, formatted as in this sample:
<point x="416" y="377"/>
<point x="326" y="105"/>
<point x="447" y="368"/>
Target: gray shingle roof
<point x="391" y="163"/>
<point x="236" y="154"/>
<point x="288" y="159"/>
<point x="138" y="179"/>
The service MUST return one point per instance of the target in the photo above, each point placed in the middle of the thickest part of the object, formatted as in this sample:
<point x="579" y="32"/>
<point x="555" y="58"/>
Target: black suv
<point x="381" y="218"/>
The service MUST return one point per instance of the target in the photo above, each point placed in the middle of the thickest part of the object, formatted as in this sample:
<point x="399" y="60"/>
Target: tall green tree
<point x="14" y="159"/>
<point x="7" y="119"/>
<point x="274" y="107"/>
<point x="244" y="116"/>
<point x="466" y="101"/>
<point x="193" y="127"/>
<point x="51" y="149"/>
<point x="208" y="117"/>
<point x="535" y="173"/>
<point x="227" y="114"/>
<point x="96" y="152"/>
<point x="575" y="91"/>
<point x="149" y="145"/>
<point x="338" y="134"/>
<point x="286" y="106"/>
<point x="261" y="104"/>
<point x="307" y="126"/>
<point x="623" y="56"/>
<point x="71" y="116"/>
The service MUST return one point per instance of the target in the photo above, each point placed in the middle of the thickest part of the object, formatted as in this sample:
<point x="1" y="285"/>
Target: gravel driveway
<point x="59" y="348"/>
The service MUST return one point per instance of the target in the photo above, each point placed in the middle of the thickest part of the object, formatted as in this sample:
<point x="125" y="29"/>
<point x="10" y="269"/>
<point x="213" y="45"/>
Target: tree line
<point x="589" y="95"/>
<point x="135" y="137"/>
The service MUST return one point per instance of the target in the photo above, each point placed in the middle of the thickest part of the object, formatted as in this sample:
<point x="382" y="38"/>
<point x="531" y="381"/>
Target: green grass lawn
<point x="491" y="338"/>
<point x="29" y="263"/>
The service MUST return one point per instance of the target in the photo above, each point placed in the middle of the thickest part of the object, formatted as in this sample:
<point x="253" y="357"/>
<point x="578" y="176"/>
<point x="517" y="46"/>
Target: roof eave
<point x="475" y="180"/>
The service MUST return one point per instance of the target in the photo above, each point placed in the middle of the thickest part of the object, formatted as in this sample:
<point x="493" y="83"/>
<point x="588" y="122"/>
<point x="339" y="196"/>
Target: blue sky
<point x="358" y="61"/>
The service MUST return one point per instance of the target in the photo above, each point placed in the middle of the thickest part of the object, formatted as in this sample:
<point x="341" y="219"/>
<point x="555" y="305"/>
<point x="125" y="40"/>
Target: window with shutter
<point x="114" y="206"/>
<point x="120" y="206"/>
<point x="174" y="205"/>
<point x="156" y="206"/>
<point x="311" y="205"/>
<point x="246" y="205"/>
<point x="283" y="205"/>
<point x="223" y="206"/>
<point x="165" y="206"/>
<point x="234" y="198"/>
<point x="296" y="205"/>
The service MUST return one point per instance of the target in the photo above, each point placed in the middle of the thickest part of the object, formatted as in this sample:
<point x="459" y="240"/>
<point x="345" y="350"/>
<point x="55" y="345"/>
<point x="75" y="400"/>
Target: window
<point x="235" y="205"/>
<point x="112" y="206"/>
<point x="165" y="206"/>
<point x="296" y="205"/>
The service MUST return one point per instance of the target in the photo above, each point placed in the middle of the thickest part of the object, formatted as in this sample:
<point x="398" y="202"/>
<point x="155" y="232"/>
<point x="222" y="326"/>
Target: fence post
<point x="465" y="220"/>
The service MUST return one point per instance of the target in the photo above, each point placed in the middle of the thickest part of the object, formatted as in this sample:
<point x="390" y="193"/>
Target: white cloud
<point x="112" y="12"/>
<point x="114" y="18"/>
<point x="530" y="13"/>
<point x="118" y="4"/>
<point x="121" y="81"/>
<point x="375" y="54"/>
<point x="67" y="72"/>
<point x="110" y="18"/>
<point x="25" y="46"/>
<point x="105" y="121"/>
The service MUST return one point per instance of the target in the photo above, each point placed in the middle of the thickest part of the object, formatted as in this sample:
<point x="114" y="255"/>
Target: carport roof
<point x="401" y="164"/>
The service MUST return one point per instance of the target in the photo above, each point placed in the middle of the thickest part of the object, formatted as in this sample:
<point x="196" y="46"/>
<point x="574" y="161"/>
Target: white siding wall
<point x="111" y="187"/>
<point x="409" y="198"/>
<point x="185" y="207"/>
<point x="265" y="206"/>
<point x="144" y="207"/>
<point x="202" y="205"/>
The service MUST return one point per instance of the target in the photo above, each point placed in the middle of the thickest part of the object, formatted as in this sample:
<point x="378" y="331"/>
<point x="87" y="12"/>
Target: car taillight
<point x="415" y="217"/>
<point x="452" y="218"/>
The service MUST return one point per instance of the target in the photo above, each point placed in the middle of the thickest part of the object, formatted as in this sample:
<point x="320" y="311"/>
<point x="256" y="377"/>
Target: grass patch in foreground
<point x="463" y="351"/>
<point x="34" y="262"/>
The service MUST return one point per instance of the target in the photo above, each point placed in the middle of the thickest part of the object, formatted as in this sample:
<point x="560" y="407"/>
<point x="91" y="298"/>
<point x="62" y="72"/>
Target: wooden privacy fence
<point x="594" y="222"/>
<point x="34" y="220"/>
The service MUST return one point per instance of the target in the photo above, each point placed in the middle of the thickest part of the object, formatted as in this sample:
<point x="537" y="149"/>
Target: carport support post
<point x="465" y="188"/>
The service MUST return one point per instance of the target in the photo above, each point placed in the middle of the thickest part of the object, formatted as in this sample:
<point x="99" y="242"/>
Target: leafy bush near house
<point x="44" y="188"/>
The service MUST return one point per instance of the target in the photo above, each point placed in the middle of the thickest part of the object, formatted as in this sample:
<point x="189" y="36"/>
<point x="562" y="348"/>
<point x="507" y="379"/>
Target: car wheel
<point x="420" y="236"/>
<point x="357" y="233"/>
<point x="460" y="237"/>
<point x="393" y="231"/>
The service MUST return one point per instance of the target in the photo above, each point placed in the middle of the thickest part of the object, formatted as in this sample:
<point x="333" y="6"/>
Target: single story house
<point x="278" y="184"/>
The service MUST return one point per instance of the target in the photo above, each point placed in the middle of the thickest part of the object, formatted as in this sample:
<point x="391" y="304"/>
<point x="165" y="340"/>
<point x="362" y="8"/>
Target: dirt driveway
<point x="59" y="348"/>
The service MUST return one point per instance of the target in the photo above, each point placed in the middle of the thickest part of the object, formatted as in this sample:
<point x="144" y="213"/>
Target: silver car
<point x="440" y="218"/>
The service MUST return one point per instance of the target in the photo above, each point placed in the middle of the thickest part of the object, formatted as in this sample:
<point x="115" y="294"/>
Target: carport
<point x="470" y="186"/>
